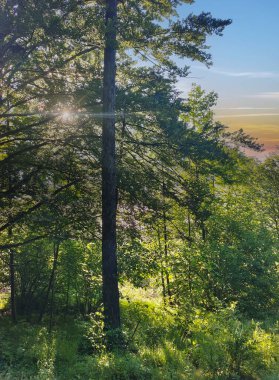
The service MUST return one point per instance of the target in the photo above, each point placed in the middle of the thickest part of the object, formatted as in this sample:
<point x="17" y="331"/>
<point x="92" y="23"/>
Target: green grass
<point x="213" y="346"/>
<point x="28" y="352"/>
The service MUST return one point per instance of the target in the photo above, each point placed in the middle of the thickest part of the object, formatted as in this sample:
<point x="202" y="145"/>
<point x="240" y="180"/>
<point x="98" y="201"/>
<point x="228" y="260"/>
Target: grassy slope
<point x="160" y="346"/>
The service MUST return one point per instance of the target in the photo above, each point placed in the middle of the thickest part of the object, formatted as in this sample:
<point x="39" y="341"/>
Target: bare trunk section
<point x="190" y="281"/>
<point x="12" y="286"/>
<point x="11" y="252"/>
<point x="166" y="251"/>
<point x="109" y="183"/>
<point x="51" y="282"/>
<point x="121" y="151"/>
<point x="166" y="246"/>
<point x="162" y="264"/>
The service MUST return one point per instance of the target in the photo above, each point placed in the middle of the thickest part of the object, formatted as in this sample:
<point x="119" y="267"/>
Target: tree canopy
<point x="113" y="181"/>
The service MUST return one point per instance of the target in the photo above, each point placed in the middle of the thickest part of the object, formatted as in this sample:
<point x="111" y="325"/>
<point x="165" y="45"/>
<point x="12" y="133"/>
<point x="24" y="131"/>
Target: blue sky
<point x="245" y="71"/>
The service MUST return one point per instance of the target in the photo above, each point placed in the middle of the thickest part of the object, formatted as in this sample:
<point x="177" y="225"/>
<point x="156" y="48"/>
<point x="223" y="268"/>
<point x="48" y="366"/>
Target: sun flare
<point x="67" y="116"/>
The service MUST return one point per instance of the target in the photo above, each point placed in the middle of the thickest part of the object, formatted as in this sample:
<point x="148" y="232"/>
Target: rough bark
<point x="11" y="252"/>
<point x="109" y="184"/>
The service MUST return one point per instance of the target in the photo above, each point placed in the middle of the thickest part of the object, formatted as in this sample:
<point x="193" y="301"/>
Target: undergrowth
<point x="158" y="344"/>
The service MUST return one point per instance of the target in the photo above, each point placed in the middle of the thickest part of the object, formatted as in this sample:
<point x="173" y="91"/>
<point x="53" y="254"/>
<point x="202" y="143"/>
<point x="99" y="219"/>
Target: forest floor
<point x="159" y="345"/>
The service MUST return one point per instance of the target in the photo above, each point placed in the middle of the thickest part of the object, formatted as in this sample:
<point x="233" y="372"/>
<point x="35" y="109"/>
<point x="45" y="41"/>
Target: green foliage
<point x="75" y="349"/>
<point x="211" y="346"/>
<point x="196" y="222"/>
<point x="224" y="346"/>
<point x="268" y="186"/>
<point x="93" y="339"/>
<point x="4" y="298"/>
<point x="237" y="260"/>
<point x="147" y="322"/>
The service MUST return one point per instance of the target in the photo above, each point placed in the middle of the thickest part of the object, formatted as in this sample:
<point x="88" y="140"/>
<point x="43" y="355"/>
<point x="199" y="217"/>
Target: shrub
<point x="224" y="346"/>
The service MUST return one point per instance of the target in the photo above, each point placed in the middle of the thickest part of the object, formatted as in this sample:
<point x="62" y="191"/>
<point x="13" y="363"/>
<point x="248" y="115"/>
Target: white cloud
<point x="246" y="108"/>
<point x="249" y="74"/>
<point x="249" y="115"/>
<point x="267" y="95"/>
<point x="243" y="74"/>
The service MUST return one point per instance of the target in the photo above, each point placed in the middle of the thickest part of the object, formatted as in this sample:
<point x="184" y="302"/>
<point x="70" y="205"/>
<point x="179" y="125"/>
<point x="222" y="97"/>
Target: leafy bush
<point x="225" y="347"/>
<point x="146" y="322"/>
<point x="219" y="345"/>
<point x="93" y="338"/>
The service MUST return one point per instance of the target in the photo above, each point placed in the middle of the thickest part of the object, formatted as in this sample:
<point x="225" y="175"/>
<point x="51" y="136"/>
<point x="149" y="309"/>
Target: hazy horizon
<point x="245" y="71"/>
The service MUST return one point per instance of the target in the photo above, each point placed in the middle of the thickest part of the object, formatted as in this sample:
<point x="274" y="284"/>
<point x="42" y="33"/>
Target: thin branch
<point x="25" y="242"/>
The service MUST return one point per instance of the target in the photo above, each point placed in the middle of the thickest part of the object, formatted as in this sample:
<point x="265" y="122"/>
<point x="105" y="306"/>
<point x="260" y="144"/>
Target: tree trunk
<point x="166" y="255"/>
<point x="166" y="243"/>
<point x="11" y="252"/>
<point x="12" y="286"/>
<point x="190" y="281"/>
<point x="162" y="267"/>
<point x="109" y="196"/>
<point x="51" y="305"/>
<point x="51" y="281"/>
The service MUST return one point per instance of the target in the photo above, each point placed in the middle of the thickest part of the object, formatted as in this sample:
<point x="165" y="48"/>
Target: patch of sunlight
<point x="4" y="299"/>
<point x="148" y="293"/>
